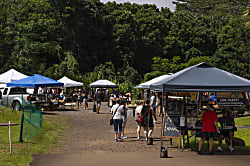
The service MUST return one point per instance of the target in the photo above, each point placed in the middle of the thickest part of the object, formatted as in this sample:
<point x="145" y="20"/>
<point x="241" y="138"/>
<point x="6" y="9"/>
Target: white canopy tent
<point x="103" y="84"/>
<point x="69" y="83"/>
<point x="11" y="75"/>
<point x="147" y="84"/>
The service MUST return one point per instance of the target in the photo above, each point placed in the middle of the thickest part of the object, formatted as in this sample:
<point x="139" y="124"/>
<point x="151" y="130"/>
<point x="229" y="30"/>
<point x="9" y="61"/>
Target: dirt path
<point x="91" y="132"/>
<point x="90" y="141"/>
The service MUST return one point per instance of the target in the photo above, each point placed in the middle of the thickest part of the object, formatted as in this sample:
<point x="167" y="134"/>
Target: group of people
<point x="81" y="96"/>
<point x="144" y="110"/>
<point x="51" y="93"/>
<point x="210" y="129"/>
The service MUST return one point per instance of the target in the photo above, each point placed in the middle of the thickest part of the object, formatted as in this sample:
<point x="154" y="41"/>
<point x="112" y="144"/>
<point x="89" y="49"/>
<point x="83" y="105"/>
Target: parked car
<point x="13" y="97"/>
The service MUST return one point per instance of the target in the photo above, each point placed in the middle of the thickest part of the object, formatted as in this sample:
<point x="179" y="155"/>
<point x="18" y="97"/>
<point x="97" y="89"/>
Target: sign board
<point x="230" y="102"/>
<point x="230" y="99"/>
<point x="172" y="119"/>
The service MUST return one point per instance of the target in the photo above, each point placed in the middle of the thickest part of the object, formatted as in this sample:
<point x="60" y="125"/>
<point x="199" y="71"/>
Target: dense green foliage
<point x="125" y="43"/>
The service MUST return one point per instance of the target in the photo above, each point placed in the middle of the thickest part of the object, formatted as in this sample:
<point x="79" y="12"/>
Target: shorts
<point x="209" y="135"/>
<point x="225" y="133"/>
<point x="98" y="103"/>
<point x="124" y="119"/>
<point x="138" y="123"/>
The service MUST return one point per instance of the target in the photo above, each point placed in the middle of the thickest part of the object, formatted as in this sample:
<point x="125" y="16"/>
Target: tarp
<point x="147" y="84"/>
<point x="202" y="77"/>
<point x="35" y="81"/>
<point x="103" y="84"/>
<point x="69" y="83"/>
<point x="11" y="75"/>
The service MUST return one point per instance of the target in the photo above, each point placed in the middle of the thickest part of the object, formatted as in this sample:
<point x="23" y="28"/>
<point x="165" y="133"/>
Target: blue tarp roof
<point x="35" y="81"/>
<point x="202" y="77"/>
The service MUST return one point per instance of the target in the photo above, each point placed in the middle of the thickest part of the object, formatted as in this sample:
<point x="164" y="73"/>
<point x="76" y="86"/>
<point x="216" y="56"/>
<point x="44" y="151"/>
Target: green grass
<point x="244" y="121"/>
<point x="50" y="136"/>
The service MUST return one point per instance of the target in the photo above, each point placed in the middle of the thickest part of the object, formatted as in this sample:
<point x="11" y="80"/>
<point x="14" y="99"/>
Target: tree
<point x="30" y="28"/>
<point x="233" y="51"/>
<point x="213" y="7"/>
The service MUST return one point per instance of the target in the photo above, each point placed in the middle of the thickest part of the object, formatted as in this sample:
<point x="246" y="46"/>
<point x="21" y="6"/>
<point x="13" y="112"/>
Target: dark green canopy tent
<point x="202" y="78"/>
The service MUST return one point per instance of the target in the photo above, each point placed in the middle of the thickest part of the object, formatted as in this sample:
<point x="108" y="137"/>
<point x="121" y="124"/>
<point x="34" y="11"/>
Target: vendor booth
<point x="11" y="75"/>
<point x="103" y="84"/>
<point x="198" y="78"/>
<point x="69" y="83"/>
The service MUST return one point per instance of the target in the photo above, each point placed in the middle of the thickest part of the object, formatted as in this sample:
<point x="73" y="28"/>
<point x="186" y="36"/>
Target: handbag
<point x="141" y="117"/>
<point x="111" y="122"/>
<point x="94" y="107"/>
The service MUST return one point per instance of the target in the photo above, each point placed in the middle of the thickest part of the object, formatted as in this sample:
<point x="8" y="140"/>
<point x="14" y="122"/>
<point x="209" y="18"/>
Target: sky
<point x="158" y="3"/>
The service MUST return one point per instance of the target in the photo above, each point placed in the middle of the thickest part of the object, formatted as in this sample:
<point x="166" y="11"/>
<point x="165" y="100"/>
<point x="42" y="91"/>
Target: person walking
<point x="153" y="104"/>
<point x="79" y="99"/>
<point x="98" y="96"/>
<point x="137" y="115"/>
<point x="147" y="122"/>
<point x="124" y="120"/>
<point x="209" y="128"/>
<point x="117" y="112"/>
<point x="85" y="99"/>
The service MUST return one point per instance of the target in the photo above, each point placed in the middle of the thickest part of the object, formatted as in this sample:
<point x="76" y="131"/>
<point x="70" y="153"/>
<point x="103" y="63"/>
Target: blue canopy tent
<point x="31" y="116"/>
<point x="35" y="81"/>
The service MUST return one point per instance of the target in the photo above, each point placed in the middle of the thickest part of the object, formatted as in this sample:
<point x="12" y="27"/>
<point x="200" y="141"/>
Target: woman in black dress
<point x="147" y="122"/>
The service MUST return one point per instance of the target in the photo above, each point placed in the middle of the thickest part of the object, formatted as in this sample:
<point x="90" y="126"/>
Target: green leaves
<point x="125" y="43"/>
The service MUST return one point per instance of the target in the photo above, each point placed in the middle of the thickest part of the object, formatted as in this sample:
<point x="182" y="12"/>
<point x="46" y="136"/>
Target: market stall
<point x="198" y="78"/>
<point x="69" y="83"/>
<point x="9" y="76"/>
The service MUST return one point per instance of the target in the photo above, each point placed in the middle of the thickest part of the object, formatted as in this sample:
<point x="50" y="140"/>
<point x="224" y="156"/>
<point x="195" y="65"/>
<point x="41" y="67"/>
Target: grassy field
<point x="244" y="121"/>
<point x="50" y="136"/>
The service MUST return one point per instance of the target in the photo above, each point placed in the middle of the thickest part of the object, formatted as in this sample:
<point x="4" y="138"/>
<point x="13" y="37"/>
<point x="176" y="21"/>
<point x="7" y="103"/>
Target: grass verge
<point x="50" y="136"/>
<point x="244" y="121"/>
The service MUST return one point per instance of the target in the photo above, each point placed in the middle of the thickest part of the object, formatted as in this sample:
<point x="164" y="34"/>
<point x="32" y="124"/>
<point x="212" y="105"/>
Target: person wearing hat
<point x="209" y="127"/>
<point x="226" y="120"/>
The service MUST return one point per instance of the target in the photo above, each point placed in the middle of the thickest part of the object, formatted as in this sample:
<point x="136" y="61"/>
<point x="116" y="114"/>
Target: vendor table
<point x="9" y="124"/>
<point x="199" y="129"/>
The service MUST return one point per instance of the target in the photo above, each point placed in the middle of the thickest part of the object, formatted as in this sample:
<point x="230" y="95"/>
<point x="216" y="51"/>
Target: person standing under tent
<point x="226" y="120"/>
<point x="209" y="127"/>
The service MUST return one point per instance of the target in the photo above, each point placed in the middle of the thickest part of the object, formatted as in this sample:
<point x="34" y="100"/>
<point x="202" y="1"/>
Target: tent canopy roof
<point x="202" y="77"/>
<point x="103" y="84"/>
<point x="35" y="81"/>
<point x="154" y="80"/>
<point x="69" y="83"/>
<point x="11" y="75"/>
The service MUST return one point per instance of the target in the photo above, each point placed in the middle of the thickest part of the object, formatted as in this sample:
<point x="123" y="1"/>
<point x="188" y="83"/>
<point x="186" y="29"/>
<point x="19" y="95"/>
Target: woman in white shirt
<point x="137" y="115"/>
<point x="117" y="113"/>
